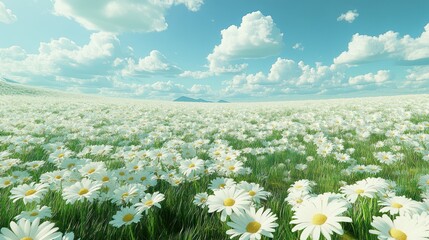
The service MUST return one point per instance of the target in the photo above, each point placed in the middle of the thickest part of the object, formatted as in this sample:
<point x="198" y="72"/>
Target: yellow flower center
<point x="26" y="238"/>
<point x="148" y="203"/>
<point x="228" y="158"/>
<point x="222" y="185"/>
<point x="58" y="177"/>
<point x="252" y="193"/>
<point x="61" y="155"/>
<point x="30" y="192"/>
<point x="105" y="179"/>
<point x="91" y="170"/>
<point x="228" y="202"/>
<point x="299" y="200"/>
<point x="427" y="182"/>
<point x="136" y="167"/>
<point x="130" y="178"/>
<point x="396" y="205"/>
<point x="397" y="234"/>
<point x="7" y="182"/>
<point x="359" y="191"/>
<point x="191" y="165"/>
<point x="71" y="165"/>
<point x="143" y="178"/>
<point x="83" y="191"/>
<point x="128" y="217"/>
<point x="298" y="186"/>
<point x="231" y="168"/>
<point x="319" y="219"/>
<point x="121" y="173"/>
<point x="253" y="227"/>
<point x="33" y="214"/>
<point x="203" y="200"/>
<point x="124" y="195"/>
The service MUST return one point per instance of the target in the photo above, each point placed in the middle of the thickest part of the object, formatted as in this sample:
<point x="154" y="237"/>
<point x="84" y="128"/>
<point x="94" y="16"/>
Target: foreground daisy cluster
<point x="80" y="168"/>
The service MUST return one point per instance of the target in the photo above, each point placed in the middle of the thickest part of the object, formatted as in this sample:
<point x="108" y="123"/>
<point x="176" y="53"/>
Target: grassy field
<point x="376" y="149"/>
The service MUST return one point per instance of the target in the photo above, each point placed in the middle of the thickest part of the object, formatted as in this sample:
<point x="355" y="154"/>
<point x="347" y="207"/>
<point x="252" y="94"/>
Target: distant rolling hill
<point x="188" y="99"/>
<point x="10" y="87"/>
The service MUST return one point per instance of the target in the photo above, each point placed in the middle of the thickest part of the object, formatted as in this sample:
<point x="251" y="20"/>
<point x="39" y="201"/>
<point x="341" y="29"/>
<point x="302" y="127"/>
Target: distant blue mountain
<point x="188" y="99"/>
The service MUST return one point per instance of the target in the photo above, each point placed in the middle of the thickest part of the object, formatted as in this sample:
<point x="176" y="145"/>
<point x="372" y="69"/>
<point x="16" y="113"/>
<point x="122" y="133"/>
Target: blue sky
<point x="239" y="50"/>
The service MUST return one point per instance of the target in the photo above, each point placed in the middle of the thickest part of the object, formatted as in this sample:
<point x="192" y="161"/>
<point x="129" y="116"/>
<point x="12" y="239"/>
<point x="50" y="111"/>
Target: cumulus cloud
<point x="285" y="77"/>
<point x="6" y="15"/>
<point x="417" y="78"/>
<point x="298" y="46"/>
<point x="349" y="16"/>
<point x="387" y="46"/>
<point x="200" y="89"/>
<point x="100" y="64"/>
<point x="256" y="37"/>
<point x="377" y="78"/>
<point x="155" y="63"/>
<point x="62" y="57"/>
<point x="196" y="74"/>
<point x="166" y="90"/>
<point x="120" y="15"/>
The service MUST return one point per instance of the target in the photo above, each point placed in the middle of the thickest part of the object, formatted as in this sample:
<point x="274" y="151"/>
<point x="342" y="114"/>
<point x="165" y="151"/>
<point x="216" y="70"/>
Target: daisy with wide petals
<point x="38" y="212"/>
<point x="401" y="228"/>
<point x="26" y="230"/>
<point x="227" y="201"/>
<point x="252" y="224"/>
<point x="149" y="201"/>
<point x="85" y="189"/>
<point x="126" y="216"/>
<point x="320" y="215"/>
<point x="401" y="205"/>
<point x="33" y="192"/>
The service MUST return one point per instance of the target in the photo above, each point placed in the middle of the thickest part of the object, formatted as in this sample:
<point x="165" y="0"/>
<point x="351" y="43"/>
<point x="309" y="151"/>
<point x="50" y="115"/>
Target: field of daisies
<point x="95" y="168"/>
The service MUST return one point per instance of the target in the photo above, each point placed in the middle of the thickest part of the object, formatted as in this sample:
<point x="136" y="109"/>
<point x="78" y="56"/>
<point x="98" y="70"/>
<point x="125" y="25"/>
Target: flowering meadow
<point x="100" y="168"/>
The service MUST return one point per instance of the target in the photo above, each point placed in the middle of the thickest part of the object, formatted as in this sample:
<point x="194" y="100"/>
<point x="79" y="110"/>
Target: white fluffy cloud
<point x="377" y="78"/>
<point x="6" y="15"/>
<point x="166" y="90"/>
<point x="349" y="16"/>
<point x="417" y="78"/>
<point x="196" y="74"/>
<point x="387" y="46"/>
<point x="120" y="15"/>
<point x="62" y="58"/>
<point x="63" y="64"/>
<point x="298" y="46"/>
<point x="256" y="37"/>
<point x="200" y="89"/>
<point x="285" y="77"/>
<point x="155" y="63"/>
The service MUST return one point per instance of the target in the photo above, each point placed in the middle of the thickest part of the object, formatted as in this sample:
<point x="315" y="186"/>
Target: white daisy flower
<point x="125" y="216"/>
<point x="227" y="201"/>
<point x="33" y="192"/>
<point x="149" y="201"/>
<point x="83" y="190"/>
<point x="26" y="230"/>
<point x="320" y="216"/>
<point x="38" y="212"/>
<point x="252" y="224"/>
